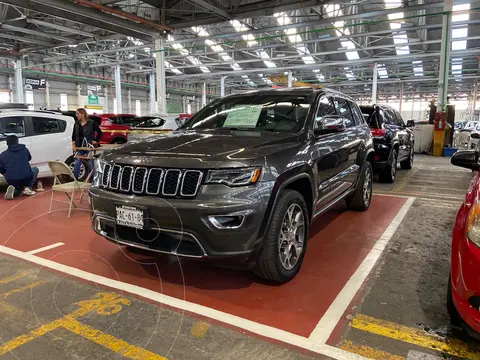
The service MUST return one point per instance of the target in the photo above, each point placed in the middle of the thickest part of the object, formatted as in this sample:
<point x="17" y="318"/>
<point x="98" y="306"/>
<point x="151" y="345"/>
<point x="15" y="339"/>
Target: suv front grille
<point x="151" y="181"/>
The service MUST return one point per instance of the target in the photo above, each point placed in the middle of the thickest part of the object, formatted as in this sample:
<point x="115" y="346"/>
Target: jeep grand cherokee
<point x="240" y="182"/>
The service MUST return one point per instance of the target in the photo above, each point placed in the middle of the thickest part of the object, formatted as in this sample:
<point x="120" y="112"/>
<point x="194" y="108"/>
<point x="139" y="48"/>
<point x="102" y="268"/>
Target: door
<point x="49" y="142"/>
<point x="403" y="136"/>
<point x="14" y="125"/>
<point x="330" y="156"/>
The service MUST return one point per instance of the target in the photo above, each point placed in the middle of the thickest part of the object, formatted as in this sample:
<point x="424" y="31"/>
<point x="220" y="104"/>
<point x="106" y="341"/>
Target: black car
<point x="240" y="182"/>
<point x="393" y="140"/>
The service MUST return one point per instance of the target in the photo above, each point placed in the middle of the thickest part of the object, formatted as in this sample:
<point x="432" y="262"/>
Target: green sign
<point x="93" y="100"/>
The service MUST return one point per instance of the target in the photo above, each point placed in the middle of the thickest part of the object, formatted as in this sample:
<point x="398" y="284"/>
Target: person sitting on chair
<point x="15" y="166"/>
<point x="85" y="132"/>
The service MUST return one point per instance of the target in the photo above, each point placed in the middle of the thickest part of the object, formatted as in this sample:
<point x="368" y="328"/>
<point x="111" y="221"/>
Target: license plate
<point x="130" y="216"/>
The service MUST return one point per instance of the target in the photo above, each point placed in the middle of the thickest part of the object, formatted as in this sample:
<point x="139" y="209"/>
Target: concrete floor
<point x="41" y="315"/>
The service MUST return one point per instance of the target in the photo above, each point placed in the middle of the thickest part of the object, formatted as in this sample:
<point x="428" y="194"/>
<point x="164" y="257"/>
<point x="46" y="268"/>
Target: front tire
<point x="285" y="240"/>
<point x="361" y="199"/>
<point x="71" y="163"/>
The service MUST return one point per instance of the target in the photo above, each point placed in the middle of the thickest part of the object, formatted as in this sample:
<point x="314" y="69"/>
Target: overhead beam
<point x="59" y="27"/>
<point x="80" y="14"/>
<point x="25" y="39"/>
<point x="34" y="32"/>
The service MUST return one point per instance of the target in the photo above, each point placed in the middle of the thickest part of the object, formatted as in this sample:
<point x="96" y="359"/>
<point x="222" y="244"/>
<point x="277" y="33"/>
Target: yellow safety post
<point x="438" y="142"/>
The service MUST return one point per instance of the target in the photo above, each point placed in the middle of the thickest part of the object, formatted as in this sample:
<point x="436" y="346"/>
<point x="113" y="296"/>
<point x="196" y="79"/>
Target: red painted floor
<point x="339" y="242"/>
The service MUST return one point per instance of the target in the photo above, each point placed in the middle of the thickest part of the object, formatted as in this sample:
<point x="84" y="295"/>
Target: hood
<point x="202" y="149"/>
<point x="16" y="147"/>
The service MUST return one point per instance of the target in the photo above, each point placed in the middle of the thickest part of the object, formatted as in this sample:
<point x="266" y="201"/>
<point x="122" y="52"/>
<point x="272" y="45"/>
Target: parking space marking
<point x="104" y="304"/>
<point x="108" y="341"/>
<point x="337" y="308"/>
<point x="45" y="248"/>
<point x="369" y="352"/>
<point x="413" y="336"/>
<point x="15" y="277"/>
<point x="23" y="288"/>
<point x="200" y="329"/>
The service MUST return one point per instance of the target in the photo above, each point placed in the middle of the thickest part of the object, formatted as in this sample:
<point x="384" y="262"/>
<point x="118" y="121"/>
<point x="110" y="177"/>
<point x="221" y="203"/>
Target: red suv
<point x="464" y="286"/>
<point x="115" y="127"/>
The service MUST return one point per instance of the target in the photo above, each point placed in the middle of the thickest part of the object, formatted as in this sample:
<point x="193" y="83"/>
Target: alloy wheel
<point x="367" y="187"/>
<point x="411" y="158"/>
<point x="394" y="165"/>
<point x="292" y="237"/>
<point x="82" y="169"/>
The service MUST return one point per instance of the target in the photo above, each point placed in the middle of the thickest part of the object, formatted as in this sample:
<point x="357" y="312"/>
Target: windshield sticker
<point x="243" y="116"/>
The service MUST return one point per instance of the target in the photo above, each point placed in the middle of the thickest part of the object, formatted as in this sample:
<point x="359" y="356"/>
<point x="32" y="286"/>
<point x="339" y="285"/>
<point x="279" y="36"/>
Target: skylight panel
<point x="335" y="10"/>
<point x="460" y="33"/>
<point x="382" y="72"/>
<point x="459" y="45"/>
<point x="460" y="17"/>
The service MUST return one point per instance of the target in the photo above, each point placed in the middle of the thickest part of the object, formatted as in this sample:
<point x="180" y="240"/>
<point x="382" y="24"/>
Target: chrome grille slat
<point x="152" y="181"/>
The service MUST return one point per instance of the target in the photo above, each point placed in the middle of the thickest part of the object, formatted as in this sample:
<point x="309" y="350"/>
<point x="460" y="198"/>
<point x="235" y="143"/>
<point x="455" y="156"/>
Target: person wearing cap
<point x="15" y="167"/>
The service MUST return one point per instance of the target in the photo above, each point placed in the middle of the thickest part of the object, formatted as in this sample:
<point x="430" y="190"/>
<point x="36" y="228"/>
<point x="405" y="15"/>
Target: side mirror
<point x="411" y="123"/>
<point x="467" y="159"/>
<point x="331" y="124"/>
<point x="475" y="135"/>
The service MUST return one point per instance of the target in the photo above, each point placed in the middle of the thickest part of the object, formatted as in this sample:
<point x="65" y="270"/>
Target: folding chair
<point x="69" y="188"/>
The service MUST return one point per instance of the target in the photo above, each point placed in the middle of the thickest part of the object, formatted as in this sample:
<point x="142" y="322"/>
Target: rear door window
<point x="43" y="126"/>
<point x="358" y="116"/>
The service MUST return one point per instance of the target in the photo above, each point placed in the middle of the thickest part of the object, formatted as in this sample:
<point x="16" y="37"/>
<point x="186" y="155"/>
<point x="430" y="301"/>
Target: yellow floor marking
<point x="369" y="352"/>
<point x="199" y="329"/>
<point x="413" y="336"/>
<point x="403" y="181"/>
<point x="110" y="342"/>
<point x="103" y="304"/>
<point x="23" y="288"/>
<point x="32" y="335"/>
<point x="14" y="277"/>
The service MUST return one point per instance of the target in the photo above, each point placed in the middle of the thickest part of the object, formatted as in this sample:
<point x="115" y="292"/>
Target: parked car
<point x="151" y="126"/>
<point x="463" y="298"/>
<point x="393" y="140"/>
<point x="115" y="127"/>
<point x="46" y="134"/>
<point x="240" y="182"/>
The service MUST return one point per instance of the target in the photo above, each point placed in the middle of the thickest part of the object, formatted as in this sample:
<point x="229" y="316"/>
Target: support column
<point x="290" y="78"/>
<point x="374" y="83"/>
<point x="401" y="98"/>
<point x="79" y="96"/>
<point x="445" y="56"/>
<point x="222" y="86"/>
<point x="47" y="94"/>
<point x="475" y="88"/>
<point x="439" y="135"/>
<point x="153" y="108"/>
<point x="11" y="93"/>
<point x="129" y="96"/>
<point x="204" y="95"/>
<point x="118" y="89"/>
<point x="161" y="84"/>
<point x="184" y="104"/>
<point x="19" y="93"/>
<point x="105" y="94"/>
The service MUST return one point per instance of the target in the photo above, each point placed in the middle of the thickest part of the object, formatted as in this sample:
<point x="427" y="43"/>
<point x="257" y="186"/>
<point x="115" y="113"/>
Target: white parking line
<point x="45" y="248"/>
<point x="337" y="308"/>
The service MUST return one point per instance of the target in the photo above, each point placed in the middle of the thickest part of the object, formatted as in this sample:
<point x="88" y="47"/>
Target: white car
<point x="46" y="134"/>
<point x="150" y="126"/>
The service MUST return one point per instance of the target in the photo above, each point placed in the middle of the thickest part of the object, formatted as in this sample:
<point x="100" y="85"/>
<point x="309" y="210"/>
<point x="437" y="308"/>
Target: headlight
<point x="473" y="224"/>
<point x="99" y="165"/>
<point x="234" y="177"/>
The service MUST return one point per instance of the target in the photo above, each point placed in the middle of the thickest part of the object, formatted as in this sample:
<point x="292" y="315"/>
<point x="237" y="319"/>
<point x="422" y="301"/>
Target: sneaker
<point x="28" y="191"/>
<point x="10" y="192"/>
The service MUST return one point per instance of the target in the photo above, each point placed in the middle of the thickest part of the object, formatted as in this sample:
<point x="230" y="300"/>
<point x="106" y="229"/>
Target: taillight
<point x="379" y="132"/>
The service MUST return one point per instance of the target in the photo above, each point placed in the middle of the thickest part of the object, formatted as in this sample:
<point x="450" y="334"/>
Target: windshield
<point x="471" y="125"/>
<point x="271" y="112"/>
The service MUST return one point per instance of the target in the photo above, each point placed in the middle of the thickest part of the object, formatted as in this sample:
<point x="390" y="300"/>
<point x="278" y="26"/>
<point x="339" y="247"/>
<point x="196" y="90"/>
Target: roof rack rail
<point x="37" y="111"/>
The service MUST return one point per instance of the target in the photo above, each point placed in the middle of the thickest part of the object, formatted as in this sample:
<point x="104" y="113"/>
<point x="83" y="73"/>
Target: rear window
<point x="372" y="118"/>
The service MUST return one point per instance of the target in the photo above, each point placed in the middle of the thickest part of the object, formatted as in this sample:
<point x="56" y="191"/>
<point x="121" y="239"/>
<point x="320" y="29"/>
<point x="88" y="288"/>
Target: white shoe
<point x="28" y="191"/>
<point x="10" y="192"/>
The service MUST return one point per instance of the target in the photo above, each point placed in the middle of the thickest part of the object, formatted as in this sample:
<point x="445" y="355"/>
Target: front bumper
<point x="465" y="284"/>
<point x="183" y="226"/>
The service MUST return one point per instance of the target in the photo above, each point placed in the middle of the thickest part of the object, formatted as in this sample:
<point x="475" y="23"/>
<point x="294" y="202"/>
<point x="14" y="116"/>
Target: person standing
<point x="15" y="166"/>
<point x="85" y="132"/>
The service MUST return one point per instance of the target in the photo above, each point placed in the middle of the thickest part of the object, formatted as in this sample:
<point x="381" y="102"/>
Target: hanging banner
<point x="91" y="90"/>
<point x="35" y="84"/>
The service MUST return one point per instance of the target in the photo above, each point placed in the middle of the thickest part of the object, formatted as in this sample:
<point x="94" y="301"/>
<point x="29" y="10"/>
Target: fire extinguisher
<point x="440" y="121"/>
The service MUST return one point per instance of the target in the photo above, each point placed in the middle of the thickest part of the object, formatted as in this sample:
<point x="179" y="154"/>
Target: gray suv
<point x="240" y="182"/>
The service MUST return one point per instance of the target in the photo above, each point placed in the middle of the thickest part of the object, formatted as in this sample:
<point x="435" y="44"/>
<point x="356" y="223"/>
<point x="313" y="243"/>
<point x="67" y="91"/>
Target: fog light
<point x="233" y="221"/>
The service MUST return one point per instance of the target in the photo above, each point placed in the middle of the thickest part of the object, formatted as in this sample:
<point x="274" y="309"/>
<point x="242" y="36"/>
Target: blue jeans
<point x="21" y="184"/>
<point x="78" y="164"/>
